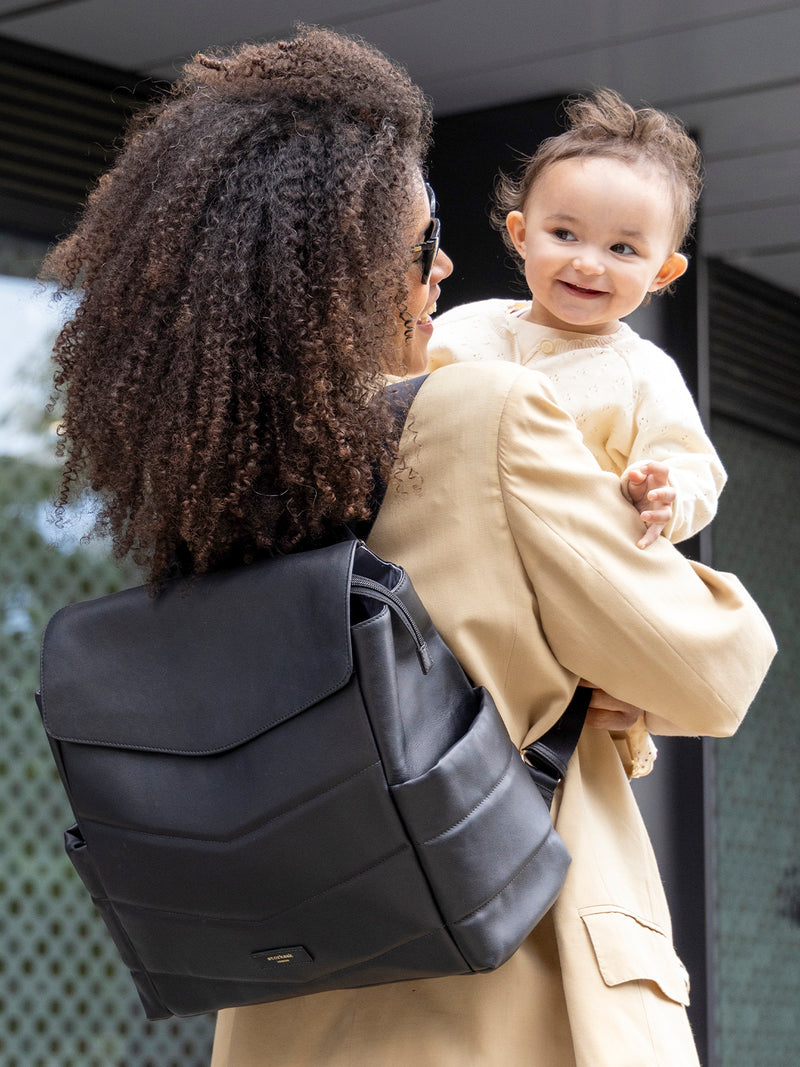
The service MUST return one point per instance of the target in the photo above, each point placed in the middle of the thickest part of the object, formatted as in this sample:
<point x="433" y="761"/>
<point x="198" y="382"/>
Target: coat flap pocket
<point x="629" y="948"/>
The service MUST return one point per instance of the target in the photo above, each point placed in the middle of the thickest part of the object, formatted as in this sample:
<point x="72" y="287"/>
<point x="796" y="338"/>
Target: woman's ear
<point x="515" y="224"/>
<point x="671" y="269"/>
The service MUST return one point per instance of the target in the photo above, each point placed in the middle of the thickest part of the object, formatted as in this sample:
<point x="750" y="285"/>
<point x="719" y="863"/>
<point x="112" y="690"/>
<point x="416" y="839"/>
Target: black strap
<point x="400" y="396"/>
<point x="548" y="757"/>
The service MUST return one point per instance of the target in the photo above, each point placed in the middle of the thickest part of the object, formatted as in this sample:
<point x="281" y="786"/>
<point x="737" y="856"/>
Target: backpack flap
<point x="154" y="673"/>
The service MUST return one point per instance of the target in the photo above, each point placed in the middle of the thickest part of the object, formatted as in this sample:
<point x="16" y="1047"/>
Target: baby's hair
<point x="604" y="125"/>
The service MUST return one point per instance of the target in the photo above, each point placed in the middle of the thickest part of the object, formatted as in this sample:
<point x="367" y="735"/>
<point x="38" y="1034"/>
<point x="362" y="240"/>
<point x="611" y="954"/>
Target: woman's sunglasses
<point x="428" y="249"/>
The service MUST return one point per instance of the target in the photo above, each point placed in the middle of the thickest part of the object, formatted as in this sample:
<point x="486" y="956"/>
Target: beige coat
<point x="524" y="553"/>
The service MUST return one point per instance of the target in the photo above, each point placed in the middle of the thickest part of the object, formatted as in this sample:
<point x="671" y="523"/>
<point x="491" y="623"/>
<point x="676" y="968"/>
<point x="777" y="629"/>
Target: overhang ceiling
<point x="729" y="68"/>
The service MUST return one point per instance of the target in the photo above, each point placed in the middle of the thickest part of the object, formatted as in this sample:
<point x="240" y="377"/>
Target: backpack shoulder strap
<point x="400" y="396"/>
<point x="548" y="757"/>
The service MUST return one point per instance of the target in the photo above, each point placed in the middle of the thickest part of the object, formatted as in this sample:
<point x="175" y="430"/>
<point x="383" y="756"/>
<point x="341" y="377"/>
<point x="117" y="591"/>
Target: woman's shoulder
<point x="461" y="391"/>
<point x="491" y="375"/>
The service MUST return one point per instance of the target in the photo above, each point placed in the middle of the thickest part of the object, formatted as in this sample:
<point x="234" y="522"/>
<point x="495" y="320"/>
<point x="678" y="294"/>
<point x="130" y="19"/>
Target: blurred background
<point x="723" y="814"/>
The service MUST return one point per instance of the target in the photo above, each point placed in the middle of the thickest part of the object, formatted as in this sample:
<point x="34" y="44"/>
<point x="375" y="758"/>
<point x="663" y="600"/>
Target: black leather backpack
<point x="284" y="783"/>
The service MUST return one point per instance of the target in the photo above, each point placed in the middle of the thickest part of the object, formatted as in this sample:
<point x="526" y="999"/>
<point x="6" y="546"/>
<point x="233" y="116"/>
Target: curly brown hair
<point x="603" y="124"/>
<point x="241" y="270"/>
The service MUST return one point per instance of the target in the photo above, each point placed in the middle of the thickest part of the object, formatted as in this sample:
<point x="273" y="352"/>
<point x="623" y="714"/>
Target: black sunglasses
<point x="428" y="249"/>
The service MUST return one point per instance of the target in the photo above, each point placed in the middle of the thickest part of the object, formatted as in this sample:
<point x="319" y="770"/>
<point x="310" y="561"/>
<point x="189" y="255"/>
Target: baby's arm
<point x="668" y="430"/>
<point x="647" y="486"/>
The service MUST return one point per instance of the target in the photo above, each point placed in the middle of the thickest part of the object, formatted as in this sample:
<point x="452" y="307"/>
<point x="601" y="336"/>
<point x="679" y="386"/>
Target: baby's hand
<point x="651" y="494"/>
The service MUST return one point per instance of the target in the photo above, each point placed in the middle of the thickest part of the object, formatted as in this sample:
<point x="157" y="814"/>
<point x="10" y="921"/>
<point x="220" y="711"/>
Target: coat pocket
<point x="629" y="948"/>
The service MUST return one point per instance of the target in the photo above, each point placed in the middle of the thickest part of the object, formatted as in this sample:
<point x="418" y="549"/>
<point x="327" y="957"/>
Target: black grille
<point x="754" y="344"/>
<point x="60" y="119"/>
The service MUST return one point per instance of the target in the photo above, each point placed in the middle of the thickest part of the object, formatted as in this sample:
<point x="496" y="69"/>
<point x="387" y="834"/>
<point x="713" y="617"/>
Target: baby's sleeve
<point x="636" y="749"/>
<point x="469" y="332"/>
<point x="669" y="429"/>
<point x="698" y="479"/>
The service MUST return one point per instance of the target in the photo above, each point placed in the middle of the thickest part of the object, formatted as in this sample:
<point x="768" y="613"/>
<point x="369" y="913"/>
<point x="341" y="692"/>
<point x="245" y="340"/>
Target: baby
<point x="597" y="218"/>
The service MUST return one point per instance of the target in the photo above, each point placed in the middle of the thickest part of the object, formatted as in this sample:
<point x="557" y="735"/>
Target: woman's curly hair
<point x="603" y="124"/>
<point x="241" y="270"/>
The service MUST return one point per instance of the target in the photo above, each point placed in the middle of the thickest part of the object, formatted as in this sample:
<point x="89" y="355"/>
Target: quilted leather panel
<point x="190" y="796"/>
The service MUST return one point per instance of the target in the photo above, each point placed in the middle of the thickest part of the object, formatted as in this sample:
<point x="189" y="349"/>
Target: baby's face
<point x="596" y="235"/>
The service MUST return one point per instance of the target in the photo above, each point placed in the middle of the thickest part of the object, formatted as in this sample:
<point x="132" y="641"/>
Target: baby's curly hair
<point x="241" y="270"/>
<point x="603" y="124"/>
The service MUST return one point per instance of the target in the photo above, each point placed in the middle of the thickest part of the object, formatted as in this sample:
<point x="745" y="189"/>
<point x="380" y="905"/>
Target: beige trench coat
<point x="524" y="553"/>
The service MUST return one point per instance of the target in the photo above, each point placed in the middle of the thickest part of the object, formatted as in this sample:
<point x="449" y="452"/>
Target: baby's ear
<point x="515" y="224"/>
<point x="672" y="268"/>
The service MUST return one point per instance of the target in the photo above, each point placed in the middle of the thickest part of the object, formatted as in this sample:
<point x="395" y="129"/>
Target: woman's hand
<point x="608" y="713"/>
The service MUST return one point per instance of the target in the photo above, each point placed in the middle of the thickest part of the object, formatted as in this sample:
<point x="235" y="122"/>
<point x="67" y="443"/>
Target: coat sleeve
<point x="652" y="628"/>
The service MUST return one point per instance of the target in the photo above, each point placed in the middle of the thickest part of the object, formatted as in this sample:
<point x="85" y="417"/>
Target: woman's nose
<point x="442" y="267"/>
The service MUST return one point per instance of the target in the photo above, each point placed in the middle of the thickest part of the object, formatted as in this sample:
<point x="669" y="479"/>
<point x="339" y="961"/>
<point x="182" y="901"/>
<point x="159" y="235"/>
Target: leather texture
<point x="272" y="798"/>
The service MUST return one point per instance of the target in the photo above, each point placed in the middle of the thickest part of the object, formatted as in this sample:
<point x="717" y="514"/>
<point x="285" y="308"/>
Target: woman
<point x="261" y="257"/>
